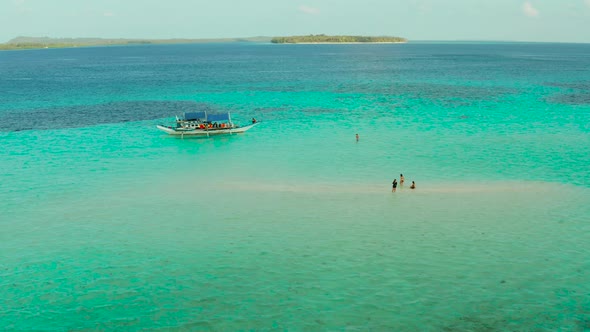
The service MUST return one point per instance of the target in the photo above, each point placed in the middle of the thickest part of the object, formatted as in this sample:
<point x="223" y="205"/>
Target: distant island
<point x="323" y="39"/>
<point x="22" y="43"/>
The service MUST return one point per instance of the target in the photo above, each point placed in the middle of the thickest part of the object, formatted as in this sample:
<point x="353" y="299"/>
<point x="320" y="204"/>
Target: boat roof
<point x="218" y="117"/>
<point x="205" y="117"/>
<point x="193" y="116"/>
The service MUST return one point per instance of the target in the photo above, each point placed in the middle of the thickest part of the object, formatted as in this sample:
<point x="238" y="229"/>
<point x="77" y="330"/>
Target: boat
<point x="205" y="124"/>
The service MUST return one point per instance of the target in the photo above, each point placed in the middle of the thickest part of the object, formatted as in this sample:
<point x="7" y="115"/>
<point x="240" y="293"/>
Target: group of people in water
<point x="395" y="183"/>
<point x="401" y="183"/>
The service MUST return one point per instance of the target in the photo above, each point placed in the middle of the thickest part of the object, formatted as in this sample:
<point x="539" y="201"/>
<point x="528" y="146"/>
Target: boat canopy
<point x="218" y="117"/>
<point x="193" y="116"/>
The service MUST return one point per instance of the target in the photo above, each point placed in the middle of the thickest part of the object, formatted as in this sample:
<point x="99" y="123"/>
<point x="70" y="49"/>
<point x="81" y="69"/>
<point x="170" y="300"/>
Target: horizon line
<point x="212" y="39"/>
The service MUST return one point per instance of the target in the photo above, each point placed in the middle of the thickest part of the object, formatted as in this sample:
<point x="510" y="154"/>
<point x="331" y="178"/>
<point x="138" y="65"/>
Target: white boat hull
<point x="204" y="132"/>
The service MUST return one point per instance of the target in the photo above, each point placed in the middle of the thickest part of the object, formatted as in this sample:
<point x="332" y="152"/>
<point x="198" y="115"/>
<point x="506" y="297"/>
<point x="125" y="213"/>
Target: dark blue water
<point x="112" y="84"/>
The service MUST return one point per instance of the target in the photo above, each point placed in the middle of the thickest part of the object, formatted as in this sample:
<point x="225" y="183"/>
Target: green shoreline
<point x="325" y="39"/>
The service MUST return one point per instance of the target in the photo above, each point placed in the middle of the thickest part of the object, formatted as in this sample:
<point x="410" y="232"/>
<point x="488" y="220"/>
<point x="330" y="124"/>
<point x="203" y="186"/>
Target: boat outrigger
<point x="204" y="124"/>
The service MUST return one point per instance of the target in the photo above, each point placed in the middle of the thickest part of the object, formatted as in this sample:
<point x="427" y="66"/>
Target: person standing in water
<point x="357" y="137"/>
<point x="401" y="180"/>
<point x="394" y="185"/>
<point x="413" y="186"/>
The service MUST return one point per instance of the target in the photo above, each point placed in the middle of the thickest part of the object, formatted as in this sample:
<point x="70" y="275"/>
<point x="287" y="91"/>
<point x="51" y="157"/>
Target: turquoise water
<point x="108" y="224"/>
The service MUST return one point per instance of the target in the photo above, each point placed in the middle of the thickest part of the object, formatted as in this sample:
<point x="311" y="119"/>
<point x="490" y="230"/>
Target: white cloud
<point x="425" y="7"/>
<point x="529" y="10"/>
<point x="309" y="10"/>
<point x="21" y="6"/>
<point x="108" y="14"/>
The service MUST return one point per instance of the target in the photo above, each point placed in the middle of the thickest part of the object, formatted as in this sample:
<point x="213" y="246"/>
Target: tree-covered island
<point x="319" y="39"/>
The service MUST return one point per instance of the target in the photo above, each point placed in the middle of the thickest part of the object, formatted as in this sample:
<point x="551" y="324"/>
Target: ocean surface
<point x="108" y="224"/>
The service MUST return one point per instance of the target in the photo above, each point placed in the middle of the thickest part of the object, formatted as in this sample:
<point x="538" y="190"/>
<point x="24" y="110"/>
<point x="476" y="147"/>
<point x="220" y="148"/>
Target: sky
<point x="448" y="20"/>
